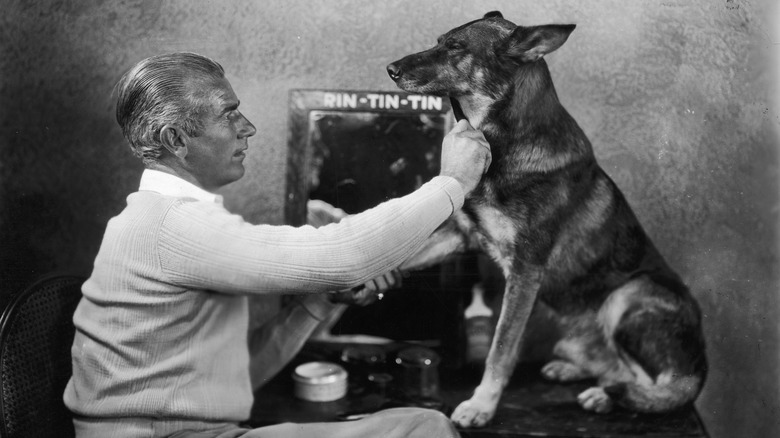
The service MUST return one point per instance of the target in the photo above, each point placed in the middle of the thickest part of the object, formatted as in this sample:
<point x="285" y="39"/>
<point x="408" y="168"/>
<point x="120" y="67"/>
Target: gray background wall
<point x="674" y="95"/>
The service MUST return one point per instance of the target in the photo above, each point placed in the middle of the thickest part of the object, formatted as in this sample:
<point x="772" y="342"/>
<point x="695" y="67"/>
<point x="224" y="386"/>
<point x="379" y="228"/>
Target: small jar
<point x="320" y="381"/>
<point x="419" y="372"/>
<point x="367" y="358"/>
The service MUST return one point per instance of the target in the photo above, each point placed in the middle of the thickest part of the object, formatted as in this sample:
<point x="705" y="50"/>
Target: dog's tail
<point x="668" y="392"/>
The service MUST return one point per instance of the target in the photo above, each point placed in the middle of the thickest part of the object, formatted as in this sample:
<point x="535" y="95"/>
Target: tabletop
<point x="529" y="407"/>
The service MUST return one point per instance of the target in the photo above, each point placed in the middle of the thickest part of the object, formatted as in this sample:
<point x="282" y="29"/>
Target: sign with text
<point x="350" y="100"/>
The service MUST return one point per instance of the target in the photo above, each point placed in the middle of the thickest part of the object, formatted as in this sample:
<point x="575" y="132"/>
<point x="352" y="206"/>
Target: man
<point x="161" y="331"/>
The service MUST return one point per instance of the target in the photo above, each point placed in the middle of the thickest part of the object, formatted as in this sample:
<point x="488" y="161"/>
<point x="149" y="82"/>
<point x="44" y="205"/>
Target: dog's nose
<point x="394" y="71"/>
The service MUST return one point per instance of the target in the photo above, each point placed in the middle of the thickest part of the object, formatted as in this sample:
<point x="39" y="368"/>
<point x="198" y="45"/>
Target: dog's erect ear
<point x="493" y="14"/>
<point x="528" y="44"/>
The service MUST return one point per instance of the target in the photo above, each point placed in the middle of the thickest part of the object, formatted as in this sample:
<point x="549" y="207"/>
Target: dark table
<point x="530" y="406"/>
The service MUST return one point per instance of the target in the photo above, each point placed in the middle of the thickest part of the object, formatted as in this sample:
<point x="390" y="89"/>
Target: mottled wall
<point x="673" y="93"/>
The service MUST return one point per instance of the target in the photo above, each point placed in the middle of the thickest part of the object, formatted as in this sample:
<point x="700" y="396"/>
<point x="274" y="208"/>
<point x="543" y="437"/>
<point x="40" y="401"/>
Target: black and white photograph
<point x="341" y="219"/>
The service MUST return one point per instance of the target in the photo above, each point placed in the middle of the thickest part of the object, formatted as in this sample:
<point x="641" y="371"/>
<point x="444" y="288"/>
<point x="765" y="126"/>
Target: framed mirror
<point x="354" y="150"/>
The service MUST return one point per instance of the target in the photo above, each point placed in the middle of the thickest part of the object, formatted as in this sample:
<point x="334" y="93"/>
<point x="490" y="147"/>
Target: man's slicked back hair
<point x="160" y="90"/>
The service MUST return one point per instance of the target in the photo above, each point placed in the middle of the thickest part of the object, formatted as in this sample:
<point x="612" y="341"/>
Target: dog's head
<point x="477" y="57"/>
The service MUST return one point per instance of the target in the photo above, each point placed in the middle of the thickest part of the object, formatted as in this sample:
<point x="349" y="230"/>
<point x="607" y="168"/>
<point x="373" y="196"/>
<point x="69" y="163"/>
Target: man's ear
<point x="174" y="139"/>
<point x="528" y="44"/>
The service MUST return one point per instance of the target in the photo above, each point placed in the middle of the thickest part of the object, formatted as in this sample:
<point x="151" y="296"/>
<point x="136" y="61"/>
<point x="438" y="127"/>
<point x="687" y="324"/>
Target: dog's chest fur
<point x="492" y="230"/>
<point x="494" y="226"/>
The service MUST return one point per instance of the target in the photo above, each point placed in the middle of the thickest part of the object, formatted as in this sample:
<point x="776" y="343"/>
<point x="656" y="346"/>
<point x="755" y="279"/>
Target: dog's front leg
<point x="447" y="240"/>
<point x="519" y="297"/>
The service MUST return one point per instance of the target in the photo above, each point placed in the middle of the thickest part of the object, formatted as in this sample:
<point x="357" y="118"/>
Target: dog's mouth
<point x="406" y="81"/>
<point x="417" y="81"/>
<point x="410" y="84"/>
<point x="412" y="87"/>
<point x="413" y="84"/>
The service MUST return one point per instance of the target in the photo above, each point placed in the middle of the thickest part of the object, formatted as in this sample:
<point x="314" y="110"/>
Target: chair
<point x="36" y="333"/>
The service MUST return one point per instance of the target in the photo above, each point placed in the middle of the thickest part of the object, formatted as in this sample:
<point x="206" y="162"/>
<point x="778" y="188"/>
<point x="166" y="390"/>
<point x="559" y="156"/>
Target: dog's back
<point x="560" y="228"/>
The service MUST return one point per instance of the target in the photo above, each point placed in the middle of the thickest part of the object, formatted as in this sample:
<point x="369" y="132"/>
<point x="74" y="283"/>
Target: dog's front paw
<point x="563" y="371"/>
<point x="595" y="399"/>
<point x="473" y="413"/>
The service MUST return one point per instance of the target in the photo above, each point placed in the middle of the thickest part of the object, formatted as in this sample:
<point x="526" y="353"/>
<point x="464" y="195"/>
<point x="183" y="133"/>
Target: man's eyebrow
<point x="230" y="106"/>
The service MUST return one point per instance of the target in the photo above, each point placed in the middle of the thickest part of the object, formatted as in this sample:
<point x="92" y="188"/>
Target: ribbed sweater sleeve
<point x="203" y="246"/>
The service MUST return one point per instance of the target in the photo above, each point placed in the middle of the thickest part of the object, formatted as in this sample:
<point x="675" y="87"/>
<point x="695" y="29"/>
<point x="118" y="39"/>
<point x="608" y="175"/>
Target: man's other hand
<point x="371" y="291"/>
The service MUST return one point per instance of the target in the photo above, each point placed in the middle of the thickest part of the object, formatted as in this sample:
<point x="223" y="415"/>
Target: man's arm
<point x="278" y="340"/>
<point x="203" y="246"/>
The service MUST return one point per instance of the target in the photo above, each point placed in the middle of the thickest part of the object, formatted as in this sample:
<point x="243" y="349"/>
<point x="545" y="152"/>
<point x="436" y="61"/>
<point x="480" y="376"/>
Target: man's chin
<point x="236" y="174"/>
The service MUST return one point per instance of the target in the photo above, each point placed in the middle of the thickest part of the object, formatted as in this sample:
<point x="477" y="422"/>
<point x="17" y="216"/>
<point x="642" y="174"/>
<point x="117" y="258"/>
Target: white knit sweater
<point x="161" y="330"/>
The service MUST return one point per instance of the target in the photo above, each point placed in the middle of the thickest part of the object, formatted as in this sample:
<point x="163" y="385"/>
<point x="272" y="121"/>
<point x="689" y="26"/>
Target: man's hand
<point x="465" y="155"/>
<point x="319" y="213"/>
<point x="371" y="291"/>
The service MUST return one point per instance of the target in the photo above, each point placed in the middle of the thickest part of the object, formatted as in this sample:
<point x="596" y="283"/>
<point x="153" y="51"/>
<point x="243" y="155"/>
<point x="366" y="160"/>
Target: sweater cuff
<point x="452" y="187"/>
<point x="318" y="306"/>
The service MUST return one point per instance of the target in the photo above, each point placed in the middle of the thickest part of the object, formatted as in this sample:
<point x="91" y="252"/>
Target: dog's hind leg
<point x="582" y="353"/>
<point x="654" y="335"/>
<point x="519" y="297"/>
<point x="659" y="338"/>
<point x="568" y="365"/>
<point x="588" y="357"/>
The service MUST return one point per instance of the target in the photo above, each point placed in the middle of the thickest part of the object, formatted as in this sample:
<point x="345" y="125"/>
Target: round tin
<point x="320" y="381"/>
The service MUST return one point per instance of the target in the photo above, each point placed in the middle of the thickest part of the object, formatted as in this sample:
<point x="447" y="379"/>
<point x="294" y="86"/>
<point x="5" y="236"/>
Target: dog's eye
<point x="455" y="45"/>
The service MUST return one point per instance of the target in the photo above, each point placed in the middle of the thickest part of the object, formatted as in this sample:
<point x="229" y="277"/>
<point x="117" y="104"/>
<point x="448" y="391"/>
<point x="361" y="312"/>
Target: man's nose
<point x="247" y="128"/>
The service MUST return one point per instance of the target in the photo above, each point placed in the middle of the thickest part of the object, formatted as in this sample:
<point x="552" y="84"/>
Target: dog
<point x="558" y="228"/>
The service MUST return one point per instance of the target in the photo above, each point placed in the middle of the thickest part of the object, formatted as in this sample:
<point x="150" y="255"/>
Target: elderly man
<point x="162" y="345"/>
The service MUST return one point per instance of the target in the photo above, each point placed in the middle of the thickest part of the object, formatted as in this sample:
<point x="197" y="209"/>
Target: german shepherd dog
<point x="559" y="229"/>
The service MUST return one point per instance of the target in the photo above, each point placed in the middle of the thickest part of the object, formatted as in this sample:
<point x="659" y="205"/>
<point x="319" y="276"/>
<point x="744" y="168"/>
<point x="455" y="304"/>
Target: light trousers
<point x="390" y="423"/>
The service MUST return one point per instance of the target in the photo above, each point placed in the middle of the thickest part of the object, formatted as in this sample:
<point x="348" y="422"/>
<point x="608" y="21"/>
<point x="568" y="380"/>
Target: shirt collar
<point x="171" y="185"/>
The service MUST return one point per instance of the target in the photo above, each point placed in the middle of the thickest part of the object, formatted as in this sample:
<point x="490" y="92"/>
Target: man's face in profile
<point x="216" y="156"/>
